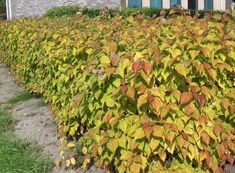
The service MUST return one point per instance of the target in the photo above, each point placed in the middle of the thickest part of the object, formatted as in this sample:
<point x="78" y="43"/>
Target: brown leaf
<point x="231" y="146"/>
<point x="114" y="59"/>
<point x="123" y="86"/>
<point x="142" y="89"/>
<point x="165" y="110"/>
<point x="171" y="126"/>
<point x="186" y="97"/>
<point x="156" y="105"/>
<point x="205" y="90"/>
<point x="136" y="66"/>
<point x="94" y="151"/>
<point x="218" y="129"/>
<point x="225" y="103"/>
<point x="195" y="89"/>
<point x="78" y="98"/>
<point x="205" y="138"/>
<point x="220" y="150"/>
<point x="185" y="136"/>
<point x="108" y="116"/>
<point x="123" y="89"/>
<point x="150" y="97"/>
<point x="147" y="67"/>
<point x="232" y="109"/>
<point x="157" y="59"/>
<point x="200" y="98"/>
<point x="123" y="82"/>
<point x="189" y="109"/>
<point x="203" y="119"/>
<point x="148" y="130"/>
<point x="170" y="137"/>
<point x="208" y="159"/>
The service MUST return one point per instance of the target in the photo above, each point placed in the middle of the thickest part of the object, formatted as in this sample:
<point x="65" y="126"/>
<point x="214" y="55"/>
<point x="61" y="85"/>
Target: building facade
<point x="25" y="8"/>
<point x="186" y="4"/>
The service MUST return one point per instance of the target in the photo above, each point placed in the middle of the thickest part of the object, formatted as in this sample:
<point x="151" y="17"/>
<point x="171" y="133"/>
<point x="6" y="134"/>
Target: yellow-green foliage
<point x="140" y="89"/>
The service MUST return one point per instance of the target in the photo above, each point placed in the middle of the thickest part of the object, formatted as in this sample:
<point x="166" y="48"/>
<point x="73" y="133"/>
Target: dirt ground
<point x="34" y="121"/>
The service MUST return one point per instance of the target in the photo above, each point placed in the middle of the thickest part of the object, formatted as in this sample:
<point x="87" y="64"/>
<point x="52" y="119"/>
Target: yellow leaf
<point x="105" y="60"/>
<point x="126" y="155"/>
<point x="71" y="145"/>
<point x="194" y="53"/>
<point x="180" y="68"/>
<point x="154" y="144"/>
<point x="212" y="73"/>
<point x="162" y="155"/>
<point x="85" y="163"/>
<point x="67" y="163"/>
<point x="72" y="161"/>
<point x="176" y="52"/>
<point x="84" y="150"/>
<point x="58" y="163"/>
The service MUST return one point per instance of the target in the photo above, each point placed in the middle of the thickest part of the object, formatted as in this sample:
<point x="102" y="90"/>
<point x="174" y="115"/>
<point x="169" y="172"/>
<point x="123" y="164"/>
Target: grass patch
<point x="17" y="156"/>
<point x="23" y="96"/>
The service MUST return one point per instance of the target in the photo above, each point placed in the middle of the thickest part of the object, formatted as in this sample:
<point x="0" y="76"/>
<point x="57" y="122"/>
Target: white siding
<point x="184" y="4"/>
<point x="200" y="4"/>
<point x="216" y="4"/>
<point x="146" y="3"/>
<point x="166" y="3"/>
<point x="223" y="4"/>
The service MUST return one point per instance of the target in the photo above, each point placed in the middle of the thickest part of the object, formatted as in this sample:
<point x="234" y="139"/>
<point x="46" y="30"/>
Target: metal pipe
<point x="7" y="9"/>
<point x="10" y="10"/>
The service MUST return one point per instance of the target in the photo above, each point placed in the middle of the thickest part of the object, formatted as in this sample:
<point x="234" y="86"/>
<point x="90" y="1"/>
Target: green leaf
<point x="112" y="145"/>
<point x="139" y="133"/>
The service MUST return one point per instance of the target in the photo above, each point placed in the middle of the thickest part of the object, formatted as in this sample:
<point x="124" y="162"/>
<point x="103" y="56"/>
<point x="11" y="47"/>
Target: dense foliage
<point x="124" y="12"/>
<point x="2" y="9"/>
<point x="138" y="93"/>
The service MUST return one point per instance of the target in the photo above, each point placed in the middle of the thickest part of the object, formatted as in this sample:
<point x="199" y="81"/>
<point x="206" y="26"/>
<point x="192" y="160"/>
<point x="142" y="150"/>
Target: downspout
<point x="10" y="10"/>
<point x="7" y="9"/>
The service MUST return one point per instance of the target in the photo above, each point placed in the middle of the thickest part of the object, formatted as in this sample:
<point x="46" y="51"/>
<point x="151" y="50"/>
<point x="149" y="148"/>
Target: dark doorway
<point x="2" y="9"/>
<point x="192" y="4"/>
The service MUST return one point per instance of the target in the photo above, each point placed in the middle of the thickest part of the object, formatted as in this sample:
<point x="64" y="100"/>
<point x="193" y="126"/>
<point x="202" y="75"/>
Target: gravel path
<point x="34" y="121"/>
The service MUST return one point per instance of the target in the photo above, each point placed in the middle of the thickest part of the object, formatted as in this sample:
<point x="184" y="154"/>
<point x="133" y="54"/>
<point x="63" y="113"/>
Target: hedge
<point x="140" y="94"/>
<point x="124" y="12"/>
<point x="2" y="11"/>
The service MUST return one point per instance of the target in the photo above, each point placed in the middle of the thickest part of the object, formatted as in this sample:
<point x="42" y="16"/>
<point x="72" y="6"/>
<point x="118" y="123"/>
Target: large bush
<point x="2" y="9"/>
<point x="124" y="12"/>
<point x="140" y="94"/>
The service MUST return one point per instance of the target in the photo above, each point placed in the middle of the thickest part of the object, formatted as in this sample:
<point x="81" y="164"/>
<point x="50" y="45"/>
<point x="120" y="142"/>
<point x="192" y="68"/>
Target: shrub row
<point x="140" y="94"/>
<point x="124" y="12"/>
<point x="2" y="10"/>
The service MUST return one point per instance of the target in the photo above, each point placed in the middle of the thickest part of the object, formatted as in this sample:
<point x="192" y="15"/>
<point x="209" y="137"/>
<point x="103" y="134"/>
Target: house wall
<point x="21" y="8"/>
<point x="217" y="4"/>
